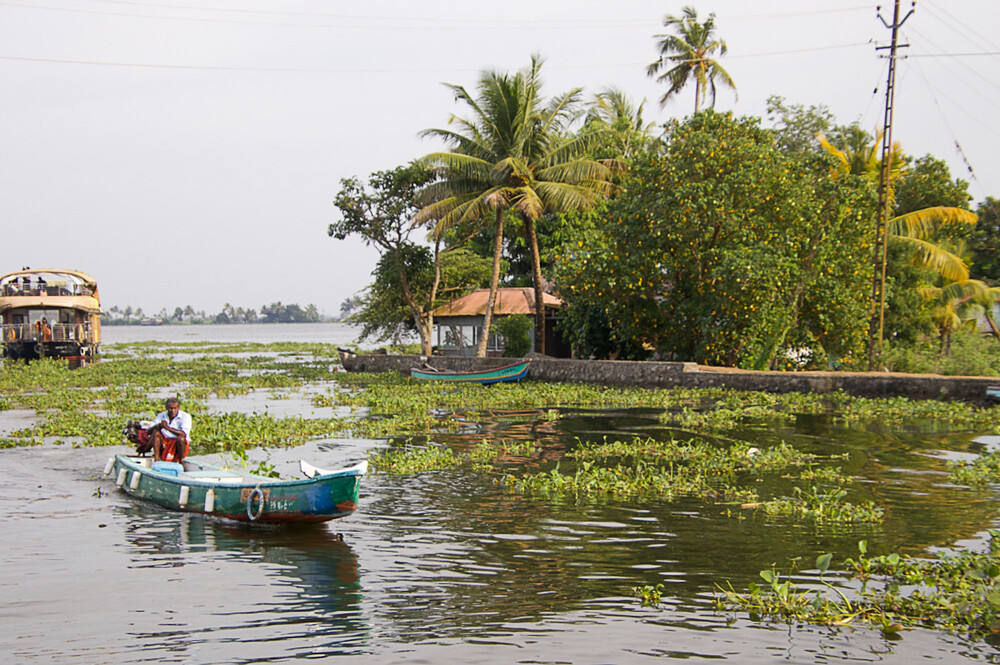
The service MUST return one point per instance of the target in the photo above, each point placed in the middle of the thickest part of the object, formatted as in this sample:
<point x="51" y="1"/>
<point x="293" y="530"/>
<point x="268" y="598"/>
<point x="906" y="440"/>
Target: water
<point x="445" y="567"/>
<point x="340" y="334"/>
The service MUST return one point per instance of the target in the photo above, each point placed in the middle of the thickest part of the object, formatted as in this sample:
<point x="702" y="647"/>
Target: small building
<point x="459" y="323"/>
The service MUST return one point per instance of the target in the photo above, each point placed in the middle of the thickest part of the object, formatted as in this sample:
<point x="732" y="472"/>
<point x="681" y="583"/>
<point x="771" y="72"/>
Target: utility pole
<point x="877" y="321"/>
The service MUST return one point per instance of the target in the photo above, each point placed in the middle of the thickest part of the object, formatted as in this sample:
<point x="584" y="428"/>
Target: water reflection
<point x="238" y="585"/>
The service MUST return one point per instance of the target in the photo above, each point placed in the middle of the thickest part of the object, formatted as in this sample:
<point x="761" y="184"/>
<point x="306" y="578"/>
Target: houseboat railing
<point x="61" y="332"/>
<point x="47" y="290"/>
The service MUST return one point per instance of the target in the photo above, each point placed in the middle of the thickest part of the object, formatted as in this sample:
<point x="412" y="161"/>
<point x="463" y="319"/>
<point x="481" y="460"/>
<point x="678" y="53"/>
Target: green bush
<point x="516" y="333"/>
<point x="972" y="354"/>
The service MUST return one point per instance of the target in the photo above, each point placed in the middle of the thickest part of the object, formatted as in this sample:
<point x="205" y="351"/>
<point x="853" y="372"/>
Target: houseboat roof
<point x="49" y="288"/>
<point x="509" y="301"/>
<point x="73" y="275"/>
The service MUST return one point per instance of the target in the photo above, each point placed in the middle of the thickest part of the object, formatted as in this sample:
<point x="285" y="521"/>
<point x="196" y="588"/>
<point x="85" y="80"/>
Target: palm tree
<point x="512" y="155"/>
<point x="612" y="112"/>
<point x="689" y="56"/>
<point x="916" y="230"/>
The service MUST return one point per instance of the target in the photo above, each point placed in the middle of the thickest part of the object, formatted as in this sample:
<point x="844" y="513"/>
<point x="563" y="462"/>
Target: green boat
<point x="514" y="372"/>
<point x="196" y="487"/>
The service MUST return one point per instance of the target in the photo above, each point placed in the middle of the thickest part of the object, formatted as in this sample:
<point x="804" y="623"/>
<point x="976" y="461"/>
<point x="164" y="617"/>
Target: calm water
<point x="446" y="568"/>
<point x="265" y="333"/>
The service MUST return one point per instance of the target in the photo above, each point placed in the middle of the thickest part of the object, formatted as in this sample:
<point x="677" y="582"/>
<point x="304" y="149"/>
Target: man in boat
<point x="171" y="433"/>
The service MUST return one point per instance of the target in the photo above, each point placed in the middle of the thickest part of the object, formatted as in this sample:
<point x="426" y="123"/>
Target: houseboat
<point x="50" y="314"/>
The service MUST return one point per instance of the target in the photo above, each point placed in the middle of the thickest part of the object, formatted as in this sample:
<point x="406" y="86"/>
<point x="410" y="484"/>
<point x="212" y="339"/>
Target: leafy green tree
<point x="720" y="250"/>
<point x="382" y="214"/>
<point x="383" y="313"/>
<point x="927" y="183"/>
<point x="512" y="156"/>
<point x="515" y="329"/>
<point x="985" y="240"/>
<point x="797" y="128"/>
<point x="689" y="54"/>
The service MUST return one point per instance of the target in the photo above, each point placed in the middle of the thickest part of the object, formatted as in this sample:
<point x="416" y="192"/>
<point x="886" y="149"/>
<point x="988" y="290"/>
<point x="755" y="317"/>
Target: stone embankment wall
<point x="623" y="373"/>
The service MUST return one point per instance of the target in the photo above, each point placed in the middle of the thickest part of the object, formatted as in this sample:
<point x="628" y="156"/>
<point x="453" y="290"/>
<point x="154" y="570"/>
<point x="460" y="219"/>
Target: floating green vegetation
<point x="412" y="459"/>
<point x="648" y="594"/>
<point x="958" y="593"/>
<point x="824" y="505"/>
<point x="979" y="472"/>
<point x="641" y="479"/>
<point x="131" y="381"/>
<point x="484" y="458"/>
<point x="398" y="398"/>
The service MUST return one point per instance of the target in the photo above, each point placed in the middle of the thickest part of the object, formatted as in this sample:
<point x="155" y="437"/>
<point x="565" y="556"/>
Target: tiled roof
<point x="509" y="301"/>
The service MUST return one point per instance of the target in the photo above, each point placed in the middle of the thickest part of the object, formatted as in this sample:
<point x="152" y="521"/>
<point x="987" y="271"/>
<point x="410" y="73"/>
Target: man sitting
<point x="171" y="433"/>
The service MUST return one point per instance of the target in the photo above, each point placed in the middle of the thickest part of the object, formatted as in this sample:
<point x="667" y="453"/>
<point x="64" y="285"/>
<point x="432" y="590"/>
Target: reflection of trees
<point x="486" y="556"/>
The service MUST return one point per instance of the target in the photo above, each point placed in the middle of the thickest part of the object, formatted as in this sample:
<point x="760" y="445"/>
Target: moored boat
<point x="197" y="487"/>
<point x="513" y="372"/>
<point x="50" y="314"/>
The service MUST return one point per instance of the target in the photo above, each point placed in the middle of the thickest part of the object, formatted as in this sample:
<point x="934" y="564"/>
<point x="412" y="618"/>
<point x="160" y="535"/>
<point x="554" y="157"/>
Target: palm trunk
<point x="484" y="340"/>
<point x="536" y="274"/>
<point x="993" y="324"/>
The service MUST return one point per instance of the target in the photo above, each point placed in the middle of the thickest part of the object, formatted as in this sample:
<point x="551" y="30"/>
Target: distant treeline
<point x="273" y="313"/>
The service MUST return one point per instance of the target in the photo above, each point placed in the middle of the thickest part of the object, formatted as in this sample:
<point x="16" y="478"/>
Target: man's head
<point x="173" y="406"/>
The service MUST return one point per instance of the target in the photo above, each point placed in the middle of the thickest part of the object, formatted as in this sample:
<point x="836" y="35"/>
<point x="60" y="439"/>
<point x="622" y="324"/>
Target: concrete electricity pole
<point x="876" y="324"/>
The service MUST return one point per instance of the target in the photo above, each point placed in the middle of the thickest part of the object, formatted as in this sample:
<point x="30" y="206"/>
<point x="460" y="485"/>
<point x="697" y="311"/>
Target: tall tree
<point x="512" y="155"/>
<point x="381" y="214"/>
<point x="620" y="121"/>
<point x="689" y="54"/>
<point x="725" y="251"/>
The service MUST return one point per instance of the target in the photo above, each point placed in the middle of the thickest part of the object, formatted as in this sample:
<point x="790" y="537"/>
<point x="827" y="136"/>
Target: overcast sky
<point x="187" y="152"/>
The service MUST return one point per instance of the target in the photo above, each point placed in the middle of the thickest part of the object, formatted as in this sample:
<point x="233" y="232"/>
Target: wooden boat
<point x="514" y="372"/>
<point x="50" y="314"/>
<point x="202" y="488"/>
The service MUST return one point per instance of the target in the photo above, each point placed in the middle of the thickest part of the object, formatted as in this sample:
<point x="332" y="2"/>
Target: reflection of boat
<point x="514" y="372"/>
<point x="202" y="488"/>
<point x="49" y="313"/>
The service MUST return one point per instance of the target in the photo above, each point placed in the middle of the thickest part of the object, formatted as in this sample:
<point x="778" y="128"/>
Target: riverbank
<point x="647" y="374"/>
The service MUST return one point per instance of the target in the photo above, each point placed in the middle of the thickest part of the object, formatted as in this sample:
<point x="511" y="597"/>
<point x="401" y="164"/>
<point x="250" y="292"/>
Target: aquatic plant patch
<point x="957" y="592"/>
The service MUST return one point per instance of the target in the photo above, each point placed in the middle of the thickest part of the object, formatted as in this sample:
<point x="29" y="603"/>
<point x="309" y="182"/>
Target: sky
<point x="187" y="152"/>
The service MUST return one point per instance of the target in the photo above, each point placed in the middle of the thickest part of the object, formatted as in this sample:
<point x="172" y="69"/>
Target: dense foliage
<point x="723" y="250"/>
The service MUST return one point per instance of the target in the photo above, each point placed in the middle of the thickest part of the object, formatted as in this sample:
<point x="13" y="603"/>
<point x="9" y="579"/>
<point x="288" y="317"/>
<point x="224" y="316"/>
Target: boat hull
<point x="238" y="497"/>
<point x="514" y="372"/>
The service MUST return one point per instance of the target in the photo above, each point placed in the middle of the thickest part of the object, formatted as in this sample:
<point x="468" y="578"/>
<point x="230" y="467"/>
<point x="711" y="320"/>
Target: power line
<point x="964" y="31"/>
<point x="953" y="55"/>
<point x="355" y="70"/>
<point x="349" y="20"/>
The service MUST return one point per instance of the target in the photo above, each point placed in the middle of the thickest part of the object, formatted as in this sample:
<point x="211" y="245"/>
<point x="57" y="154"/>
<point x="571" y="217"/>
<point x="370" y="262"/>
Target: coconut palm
<point x="689" y="55"/>
<point x="512" y="155"/>
<point x="615" y="114"/>
<point x="916" y="230"/>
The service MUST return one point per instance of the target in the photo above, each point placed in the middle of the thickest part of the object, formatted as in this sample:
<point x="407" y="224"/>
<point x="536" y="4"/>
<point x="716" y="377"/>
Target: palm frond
<point x="924" y="223"/>
<point x="936" y="258"/>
